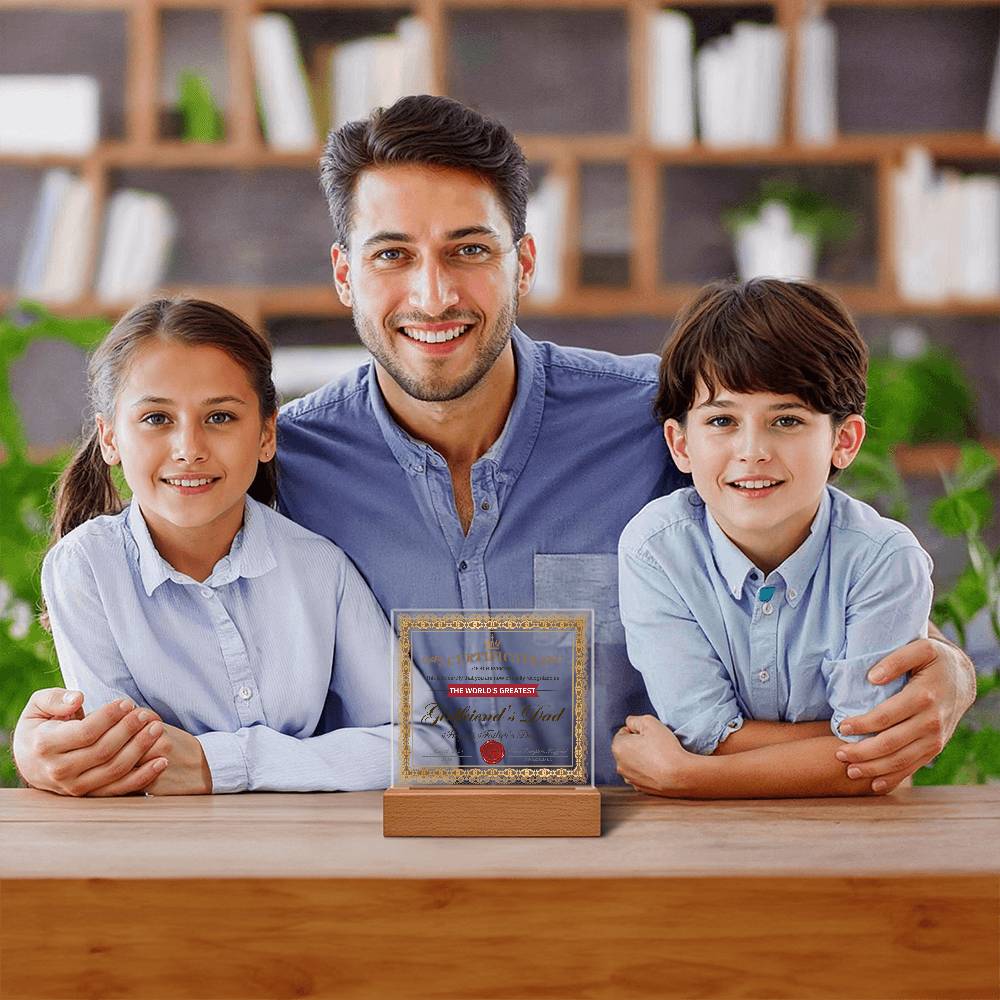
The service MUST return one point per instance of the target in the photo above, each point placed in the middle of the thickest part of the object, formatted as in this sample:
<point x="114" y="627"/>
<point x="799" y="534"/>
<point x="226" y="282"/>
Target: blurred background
<point x="172" y="145"/>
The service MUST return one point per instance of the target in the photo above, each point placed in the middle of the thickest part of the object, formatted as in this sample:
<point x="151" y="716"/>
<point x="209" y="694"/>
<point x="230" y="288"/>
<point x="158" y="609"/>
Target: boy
<point x="755" y="603"/>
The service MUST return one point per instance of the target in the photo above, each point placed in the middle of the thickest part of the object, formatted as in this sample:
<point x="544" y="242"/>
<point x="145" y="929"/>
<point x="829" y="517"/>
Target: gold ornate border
<point x="457" y="621"/>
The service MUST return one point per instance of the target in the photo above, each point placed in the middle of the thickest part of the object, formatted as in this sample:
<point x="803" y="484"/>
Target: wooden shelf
<point x="245" y="149"/>
<point x="933" y="459"/>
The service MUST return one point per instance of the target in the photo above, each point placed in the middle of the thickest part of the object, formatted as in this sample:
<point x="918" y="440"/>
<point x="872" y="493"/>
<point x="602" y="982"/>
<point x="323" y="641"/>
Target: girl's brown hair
<point x="86" y="489"/>
<point x="765" y="335"/>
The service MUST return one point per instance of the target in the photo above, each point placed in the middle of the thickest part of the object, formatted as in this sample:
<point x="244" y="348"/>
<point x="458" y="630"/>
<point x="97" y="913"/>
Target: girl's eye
<point x="788" y="421"/>
<point x="720" y="421"/>
<point x="220" y="418"/>
<point x="154" y="419"/>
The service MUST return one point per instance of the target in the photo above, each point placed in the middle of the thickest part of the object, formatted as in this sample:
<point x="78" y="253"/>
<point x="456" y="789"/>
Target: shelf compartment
<point x="695" y="246"/>
<point x="581" y="86"/>
<point x="911" y="92"/>
<point x="63" y="41"/>
<point x="605" y="226"/>
<point x="242" y="227"/>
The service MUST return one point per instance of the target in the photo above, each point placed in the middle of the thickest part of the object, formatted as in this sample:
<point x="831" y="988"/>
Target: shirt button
<point x="763" y="676"/>
<point x="485" y="505"/>
<point x="792" y="593"/>
<point x="767" y="608"/>
<point x="207" y="592"/>
<point x="733" y="724"/>
<point x="463" y="566"/>
<point x="245" y="693"/>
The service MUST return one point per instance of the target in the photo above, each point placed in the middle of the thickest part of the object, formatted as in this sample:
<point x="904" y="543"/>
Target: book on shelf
<point x="282" y="89"/>
<point x="375" y="71"/>
<point x="42" y="115"/>
<point x="740" y="86"/>
<point x="546" y="221"/>
<point x="947" y="233"/>
<point x="56" y="253"/>
<point x="138" y="237"/>
<point x="816" y="82"/>
<point x="993" y="108"/>
<point x="671" y="96"/>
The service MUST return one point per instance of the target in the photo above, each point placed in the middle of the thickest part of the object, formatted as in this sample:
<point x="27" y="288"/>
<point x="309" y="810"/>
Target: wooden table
<point x="300" y="896"/>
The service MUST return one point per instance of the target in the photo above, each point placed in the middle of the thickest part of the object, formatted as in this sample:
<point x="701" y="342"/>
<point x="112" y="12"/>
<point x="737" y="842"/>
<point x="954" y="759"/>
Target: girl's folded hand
<point x="187" y="771"/>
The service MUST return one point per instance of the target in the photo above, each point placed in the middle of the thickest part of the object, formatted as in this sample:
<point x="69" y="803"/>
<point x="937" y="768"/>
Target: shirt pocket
<point x="584" y="580"/>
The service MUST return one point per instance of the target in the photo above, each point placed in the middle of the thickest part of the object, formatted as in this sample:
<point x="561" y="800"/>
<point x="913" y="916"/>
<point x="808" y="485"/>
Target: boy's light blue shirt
<point x="714" y="652"/>
<point x="283" y="633"/>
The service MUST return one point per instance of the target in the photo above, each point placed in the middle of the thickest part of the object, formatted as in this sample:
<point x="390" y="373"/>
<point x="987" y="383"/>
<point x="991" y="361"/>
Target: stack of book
<point x="55" y="260"/>
<point x="362" y="74"/>
<point x="947" y="235"/>
<point x="56" y="253"/>
<point x="138" y="237"/>
<point x="49" y="114"/>
<point x="736" y="83"/>
<point x="375" y="72"/>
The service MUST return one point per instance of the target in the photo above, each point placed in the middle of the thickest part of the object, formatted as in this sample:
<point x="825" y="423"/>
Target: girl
<point x="256" y="642"/>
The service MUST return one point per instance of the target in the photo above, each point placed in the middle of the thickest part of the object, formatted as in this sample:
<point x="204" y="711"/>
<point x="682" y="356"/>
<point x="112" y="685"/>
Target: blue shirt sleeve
<point x="888" y="606"/>
<point x="357" y="753"/>
<point x="687" y="683"/>
<point x="89" y="656"/>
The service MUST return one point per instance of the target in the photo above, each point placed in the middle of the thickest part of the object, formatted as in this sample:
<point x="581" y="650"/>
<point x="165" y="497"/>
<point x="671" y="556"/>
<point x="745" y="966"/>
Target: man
<point x="468" y="466"/>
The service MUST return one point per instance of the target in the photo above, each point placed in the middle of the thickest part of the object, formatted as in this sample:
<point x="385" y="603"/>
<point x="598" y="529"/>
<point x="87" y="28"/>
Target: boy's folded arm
<point x="757" y="733"/>
<point x="806" y="767"/>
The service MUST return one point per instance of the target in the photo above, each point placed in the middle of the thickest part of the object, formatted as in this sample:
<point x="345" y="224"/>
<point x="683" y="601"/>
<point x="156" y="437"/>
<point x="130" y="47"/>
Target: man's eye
<point x="472" y="250"/>
<point x="390" y="255"/>
<point x="220" y="418"/>
<point x="154" y="419"/>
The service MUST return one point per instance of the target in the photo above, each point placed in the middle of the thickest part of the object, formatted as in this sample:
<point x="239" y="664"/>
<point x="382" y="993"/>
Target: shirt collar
<point x="250" y="554"/>
<point x="797" y="570"/>
<point x="511" y="449"/>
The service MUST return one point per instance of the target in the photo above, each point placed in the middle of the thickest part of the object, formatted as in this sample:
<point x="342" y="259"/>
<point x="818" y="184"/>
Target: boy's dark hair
<point x="430" y="131"/>
<point x="765" y="335"/>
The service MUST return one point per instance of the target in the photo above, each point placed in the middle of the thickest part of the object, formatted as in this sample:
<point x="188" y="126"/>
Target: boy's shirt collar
<point x="796" y="571"/>
<point x="249" y="555"/>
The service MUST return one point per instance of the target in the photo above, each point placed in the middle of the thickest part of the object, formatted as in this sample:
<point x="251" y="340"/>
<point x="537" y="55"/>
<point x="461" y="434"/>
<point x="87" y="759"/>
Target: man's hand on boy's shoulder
<point x="914" y="725"/>
<point x="59" y="750"/>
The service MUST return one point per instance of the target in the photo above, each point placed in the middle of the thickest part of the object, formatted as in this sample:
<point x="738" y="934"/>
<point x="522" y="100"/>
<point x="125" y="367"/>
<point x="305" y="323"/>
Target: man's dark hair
<point x="434" y="131"/>
<point x="765" y="335"/>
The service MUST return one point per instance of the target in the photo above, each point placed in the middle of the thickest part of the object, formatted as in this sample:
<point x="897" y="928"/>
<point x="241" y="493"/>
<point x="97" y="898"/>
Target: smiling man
<point x="469" y="466"/>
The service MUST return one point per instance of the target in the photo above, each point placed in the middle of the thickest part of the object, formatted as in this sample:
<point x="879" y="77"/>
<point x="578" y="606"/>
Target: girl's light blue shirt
<point x="715" y="647"/>
<point x="279" y="662"/>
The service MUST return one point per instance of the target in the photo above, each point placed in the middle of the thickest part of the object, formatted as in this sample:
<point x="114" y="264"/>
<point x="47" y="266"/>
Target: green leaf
<point x="976" y="467"/>
<point x="957" y="514"/>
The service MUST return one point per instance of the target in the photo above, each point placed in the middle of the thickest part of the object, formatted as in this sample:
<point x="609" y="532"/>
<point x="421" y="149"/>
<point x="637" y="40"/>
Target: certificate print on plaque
<point x="511" y="691"/>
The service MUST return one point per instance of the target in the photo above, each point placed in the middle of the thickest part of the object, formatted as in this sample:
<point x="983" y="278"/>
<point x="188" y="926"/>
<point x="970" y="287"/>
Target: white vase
<point x="769" y="247"/>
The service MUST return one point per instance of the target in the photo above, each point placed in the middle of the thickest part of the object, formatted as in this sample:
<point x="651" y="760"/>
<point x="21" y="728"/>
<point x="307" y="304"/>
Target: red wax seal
<point x="492" y="751"/>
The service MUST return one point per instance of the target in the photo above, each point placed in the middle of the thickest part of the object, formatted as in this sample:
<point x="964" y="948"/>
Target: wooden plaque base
<point x="491" y="812"/>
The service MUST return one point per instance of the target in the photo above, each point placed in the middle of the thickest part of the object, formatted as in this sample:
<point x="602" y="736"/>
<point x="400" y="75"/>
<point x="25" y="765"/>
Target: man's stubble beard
<point x="432" y="390"/>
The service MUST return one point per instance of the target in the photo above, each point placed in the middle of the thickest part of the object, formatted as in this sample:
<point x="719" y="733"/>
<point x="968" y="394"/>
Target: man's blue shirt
<point x="579" y="455"/>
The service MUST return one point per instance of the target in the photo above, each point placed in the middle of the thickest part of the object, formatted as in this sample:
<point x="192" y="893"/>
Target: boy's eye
<point x="154" y="419"/>
<point x="788" y="421"/>
<point x="720" y="421"/>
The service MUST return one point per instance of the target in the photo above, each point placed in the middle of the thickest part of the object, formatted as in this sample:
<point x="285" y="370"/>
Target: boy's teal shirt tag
<point x="765" y="593"/>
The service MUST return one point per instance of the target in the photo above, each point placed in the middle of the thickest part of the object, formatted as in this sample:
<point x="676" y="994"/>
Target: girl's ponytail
<point x="84" y="490"/>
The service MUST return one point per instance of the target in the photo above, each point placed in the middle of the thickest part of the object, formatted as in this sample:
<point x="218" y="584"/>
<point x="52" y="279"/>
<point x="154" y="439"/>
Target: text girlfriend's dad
<point x="468" y="466"/>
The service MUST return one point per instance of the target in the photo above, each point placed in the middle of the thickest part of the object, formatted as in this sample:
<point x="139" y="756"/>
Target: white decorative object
<point x="769" y="247"/>
<point x="49" y="115"/>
